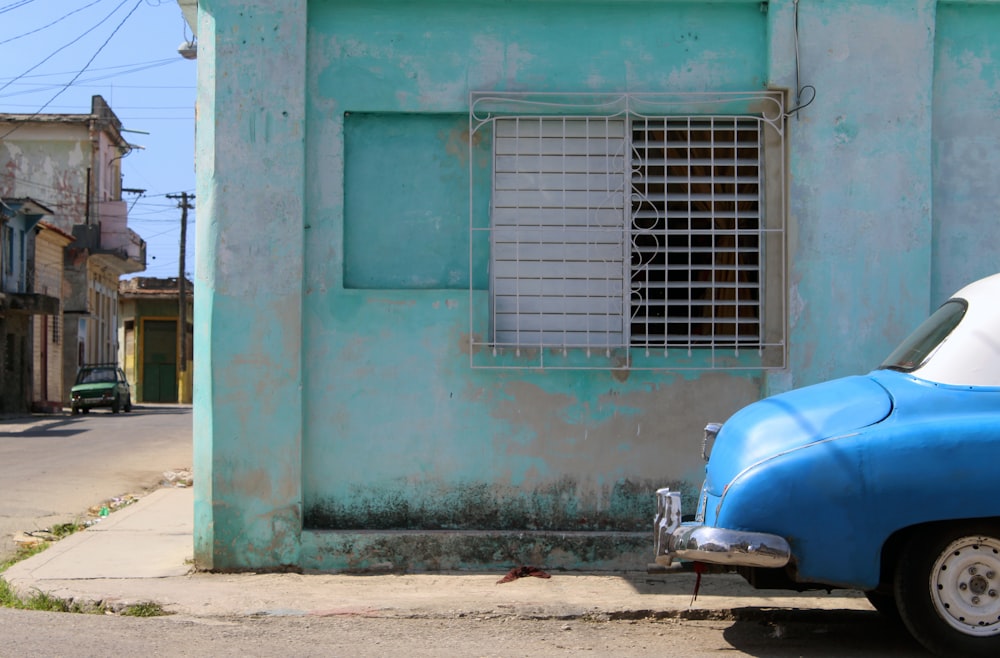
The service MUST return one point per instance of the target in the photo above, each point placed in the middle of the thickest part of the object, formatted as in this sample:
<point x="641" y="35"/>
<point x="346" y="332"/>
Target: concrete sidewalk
<point x="142" y="553"/>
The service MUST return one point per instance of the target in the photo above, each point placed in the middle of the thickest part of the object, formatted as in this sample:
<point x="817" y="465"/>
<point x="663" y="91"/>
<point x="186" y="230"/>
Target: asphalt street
<point x="54" y="468"/>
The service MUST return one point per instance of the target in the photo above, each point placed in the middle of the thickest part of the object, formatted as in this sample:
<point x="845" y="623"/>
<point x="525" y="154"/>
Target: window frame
<point x="490" y="111"/>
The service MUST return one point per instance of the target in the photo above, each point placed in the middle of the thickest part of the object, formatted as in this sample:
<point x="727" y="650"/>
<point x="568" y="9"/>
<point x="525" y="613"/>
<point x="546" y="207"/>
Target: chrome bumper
<point x="701" y="543"/>
<point x="668" y="519"/>
<point x="722" y="546"/>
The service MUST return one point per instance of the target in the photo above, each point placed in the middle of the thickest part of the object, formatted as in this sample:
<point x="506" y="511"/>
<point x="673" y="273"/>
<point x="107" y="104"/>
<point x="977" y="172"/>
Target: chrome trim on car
<point x="708" y="439"/>
<point x="699" y="514"/>
<point x="667" y="520"/>
<point x="723" y="546"/>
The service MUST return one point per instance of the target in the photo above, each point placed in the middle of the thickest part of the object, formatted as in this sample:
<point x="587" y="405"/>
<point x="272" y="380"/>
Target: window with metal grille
<point x="558" y="260"/>
<point x="695" y="232"/>
<point x="636" y="234"/>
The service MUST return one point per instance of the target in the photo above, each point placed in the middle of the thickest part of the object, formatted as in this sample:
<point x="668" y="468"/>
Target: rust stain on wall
<point x="457" y="145"/>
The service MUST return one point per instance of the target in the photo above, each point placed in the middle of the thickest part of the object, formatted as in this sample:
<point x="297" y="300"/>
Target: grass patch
<point x="23" y="553"/>
<point x="45" y="602"/>
<point x="148" y="609"/>
<point x="61" y="530"/>
<point x="39" y="601"/>
<point x="8" y="599"/>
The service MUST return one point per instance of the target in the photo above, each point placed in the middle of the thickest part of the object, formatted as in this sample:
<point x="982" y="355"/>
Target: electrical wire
<point x="58" y="20"/>
<point x="45" y="86"/>
<point x="14" y="5"/>
<point x="156" y="235"/>
<point x="106" y="41"/>
<point x="137" y="68"/>
<point x="799" y="105"/>
<point x="154" y="221"/>
<point x="143" y="212"/>
<point x="103" y="68"/>
<point x="70" y="201"/>
<point x="117" y="107"/>
<point x="64" y="47"/>
<point x="795" y="34"/>
<point x="149" y="215"/>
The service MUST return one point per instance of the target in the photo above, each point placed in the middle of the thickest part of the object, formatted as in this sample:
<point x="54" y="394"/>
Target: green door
<point x="159" y="361"/>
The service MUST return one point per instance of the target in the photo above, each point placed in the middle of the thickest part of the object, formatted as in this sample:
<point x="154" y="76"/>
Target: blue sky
<point x="45" y="47"/>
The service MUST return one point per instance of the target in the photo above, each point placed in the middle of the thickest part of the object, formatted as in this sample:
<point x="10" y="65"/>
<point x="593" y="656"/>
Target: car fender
<point x="837" y="501"/>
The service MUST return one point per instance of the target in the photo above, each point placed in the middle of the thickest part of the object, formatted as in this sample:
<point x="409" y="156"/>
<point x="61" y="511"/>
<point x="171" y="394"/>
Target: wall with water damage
<point x="338" y="423"/>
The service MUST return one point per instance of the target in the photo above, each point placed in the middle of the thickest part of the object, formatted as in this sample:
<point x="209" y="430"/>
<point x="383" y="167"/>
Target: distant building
<point x="47" y="332"/>
<point x="72" y="164"/>
<point x="20" y="299"/>
<point x="150" y="343"/>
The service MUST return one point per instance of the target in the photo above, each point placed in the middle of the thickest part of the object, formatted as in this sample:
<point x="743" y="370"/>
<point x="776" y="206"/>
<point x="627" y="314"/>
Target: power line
<point x="165" y="60"/>
<point x="64" y="47"/>
<point x="14" y="5"/>
<point x="156" y="235"/>
<point x="89" y="61"/>
<point x="131" y="118"/>
<point x="155" y="208"/>
<point x="61" y="18"/>
<point x="45" y="86"/>
<point x="148" y="207"/>
<point x="73" y="198"/>
<point x="85" y="86"/>
<point x="152" y="223"/>
<point x="117" y="107"/>
<point x="166" y="194"/>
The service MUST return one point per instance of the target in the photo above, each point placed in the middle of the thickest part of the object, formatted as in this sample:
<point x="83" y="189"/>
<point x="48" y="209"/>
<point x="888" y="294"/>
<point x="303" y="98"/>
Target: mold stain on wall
<point x="627" y="506"/>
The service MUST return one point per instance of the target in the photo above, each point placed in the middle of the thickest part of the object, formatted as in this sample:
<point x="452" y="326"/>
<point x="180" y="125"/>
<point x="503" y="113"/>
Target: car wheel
<point x="885" y="604"/>
<point x="116" y="405"/>
<point x="85" y="410"/>
<point x="128" y="403"/>
<point x="948" y="589"/>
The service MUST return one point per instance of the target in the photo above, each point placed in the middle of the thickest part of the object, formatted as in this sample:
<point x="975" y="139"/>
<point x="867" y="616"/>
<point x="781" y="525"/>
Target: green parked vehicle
<point x="100" y="385"/>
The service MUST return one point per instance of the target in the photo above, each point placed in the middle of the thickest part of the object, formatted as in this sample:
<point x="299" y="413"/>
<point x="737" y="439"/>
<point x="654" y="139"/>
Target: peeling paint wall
<point x="334" y="392"/>
<point x="861" y="186"/>
<point x="248" y="333"/>
<point x="48" y="162"/>
<point x="400" y="433"/>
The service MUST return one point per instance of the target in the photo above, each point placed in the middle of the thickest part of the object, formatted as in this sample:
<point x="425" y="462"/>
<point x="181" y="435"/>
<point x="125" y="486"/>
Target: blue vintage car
<point x="886" y="483"/>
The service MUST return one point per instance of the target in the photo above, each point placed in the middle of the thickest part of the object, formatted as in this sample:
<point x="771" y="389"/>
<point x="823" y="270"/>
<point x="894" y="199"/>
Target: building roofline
<point x="26" y="205"/>
<point x="58" y="231"/>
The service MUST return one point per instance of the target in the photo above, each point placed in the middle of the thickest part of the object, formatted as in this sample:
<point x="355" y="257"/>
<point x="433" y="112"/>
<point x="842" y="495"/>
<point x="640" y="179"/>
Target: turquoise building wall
<point x="966" y="143"/>
<point x="334" y="392"/>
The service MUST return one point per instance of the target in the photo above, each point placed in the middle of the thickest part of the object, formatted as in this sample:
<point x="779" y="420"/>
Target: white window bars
<point x="632" y="231"/>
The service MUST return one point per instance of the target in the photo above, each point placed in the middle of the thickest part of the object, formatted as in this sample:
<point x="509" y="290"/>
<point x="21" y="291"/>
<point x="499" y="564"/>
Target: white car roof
<point x="970" y="355"/>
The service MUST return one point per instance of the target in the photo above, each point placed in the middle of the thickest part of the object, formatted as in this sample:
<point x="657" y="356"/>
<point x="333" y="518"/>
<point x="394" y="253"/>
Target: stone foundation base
<point x="414" y="551"/>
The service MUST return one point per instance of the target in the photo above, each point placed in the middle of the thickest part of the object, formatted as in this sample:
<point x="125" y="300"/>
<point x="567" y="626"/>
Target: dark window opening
<point x="696" y="232"/>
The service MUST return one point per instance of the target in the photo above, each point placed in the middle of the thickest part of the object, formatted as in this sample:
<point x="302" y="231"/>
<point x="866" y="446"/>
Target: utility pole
<point x="182" y="279"/>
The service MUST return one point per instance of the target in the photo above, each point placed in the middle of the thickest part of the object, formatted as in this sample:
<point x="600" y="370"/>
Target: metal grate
<point x="696" y="232"/>
<point x="558" y="260"/>
<point x="634" y="226"/>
